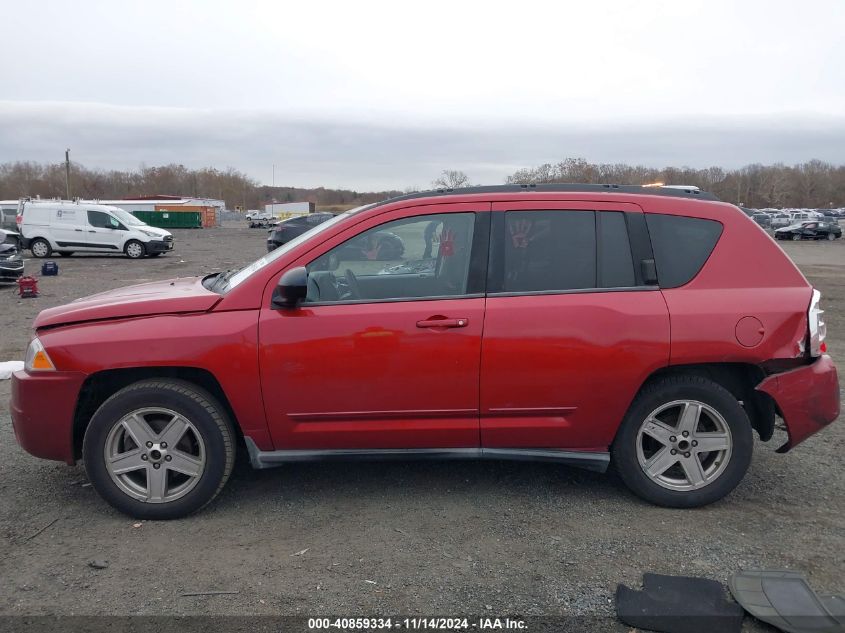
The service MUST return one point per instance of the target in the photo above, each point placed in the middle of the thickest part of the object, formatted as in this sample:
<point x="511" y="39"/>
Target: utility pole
<point x="67" y="171"/>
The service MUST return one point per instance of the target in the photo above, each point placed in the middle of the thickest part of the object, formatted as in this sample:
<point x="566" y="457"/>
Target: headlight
<point x="37" y="358"/>
<point x="150" y="233"/>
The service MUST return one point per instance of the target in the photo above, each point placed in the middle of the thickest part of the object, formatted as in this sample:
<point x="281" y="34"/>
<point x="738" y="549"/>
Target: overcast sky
<point x="371" y="95"/>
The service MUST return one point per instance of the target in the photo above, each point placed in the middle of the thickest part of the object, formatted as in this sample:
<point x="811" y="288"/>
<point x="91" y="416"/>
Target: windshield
<point x="127" y="218"/>
<point x="229" y="281"/>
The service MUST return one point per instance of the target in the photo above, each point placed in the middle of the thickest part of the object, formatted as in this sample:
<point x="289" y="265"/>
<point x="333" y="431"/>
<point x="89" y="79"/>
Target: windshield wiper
<point x="221" y="279"/>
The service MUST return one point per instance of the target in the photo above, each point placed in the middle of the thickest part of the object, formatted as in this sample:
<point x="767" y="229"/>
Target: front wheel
<point x="831" y="237"/>
<point x="134" y="249"/>
<point x="796" y="238"/>
<point x="159" y="449"/>
<point x="685" y="442"/>
<point x="39" y="247"/>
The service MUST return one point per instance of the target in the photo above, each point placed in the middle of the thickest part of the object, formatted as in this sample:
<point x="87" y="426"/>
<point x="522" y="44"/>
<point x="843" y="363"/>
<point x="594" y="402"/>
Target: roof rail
<point x="675" y="191"/>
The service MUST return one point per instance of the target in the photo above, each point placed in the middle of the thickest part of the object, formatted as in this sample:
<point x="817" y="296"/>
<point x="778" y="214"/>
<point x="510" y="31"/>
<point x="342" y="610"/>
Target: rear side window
<point x="681" y="246"/>
<point x="616" y="266"/>
<point x="549" y="250"/>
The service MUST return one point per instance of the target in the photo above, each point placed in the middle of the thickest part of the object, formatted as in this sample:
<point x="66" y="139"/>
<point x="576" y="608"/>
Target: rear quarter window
<point x="681" y="246"/>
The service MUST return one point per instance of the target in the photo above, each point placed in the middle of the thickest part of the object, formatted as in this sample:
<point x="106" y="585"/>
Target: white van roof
<point x="54" y="204"/>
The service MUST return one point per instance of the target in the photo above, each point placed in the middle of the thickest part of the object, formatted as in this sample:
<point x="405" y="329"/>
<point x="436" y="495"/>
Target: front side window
<point x="102" y="220"/>
<point x="549" y="250"/>
<point x="420" y="257"/>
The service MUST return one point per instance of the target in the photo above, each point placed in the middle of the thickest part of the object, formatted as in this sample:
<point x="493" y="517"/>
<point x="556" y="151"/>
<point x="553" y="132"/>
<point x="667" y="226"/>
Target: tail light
<point x="818" y="329"/>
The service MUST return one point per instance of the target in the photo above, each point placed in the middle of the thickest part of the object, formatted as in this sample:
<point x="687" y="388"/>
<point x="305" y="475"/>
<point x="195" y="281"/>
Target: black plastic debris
<point x="784" y="599"/>
<point x="678" y="604"/>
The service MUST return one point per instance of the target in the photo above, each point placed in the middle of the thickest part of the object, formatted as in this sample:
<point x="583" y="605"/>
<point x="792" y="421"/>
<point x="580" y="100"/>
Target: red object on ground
<point x="28" y="287"/>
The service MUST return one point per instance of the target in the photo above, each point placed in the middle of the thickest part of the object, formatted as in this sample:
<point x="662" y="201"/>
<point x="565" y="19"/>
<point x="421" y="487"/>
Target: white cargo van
<point x="67" y="227"/>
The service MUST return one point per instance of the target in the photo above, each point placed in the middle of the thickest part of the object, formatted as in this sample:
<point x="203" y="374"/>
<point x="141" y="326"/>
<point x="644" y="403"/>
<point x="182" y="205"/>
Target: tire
<point x="831" y="237"/>
<point x="636" y="447"/>
<point x="153" y="254"/>
<point x="134" y="249"/>
<point x="66" y="253"/>
<point x="191" y="472"/>
<point x="40" y="248"/>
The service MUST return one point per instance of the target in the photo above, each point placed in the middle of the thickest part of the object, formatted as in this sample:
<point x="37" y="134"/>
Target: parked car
<point x="763" y="219"/>
<point x="812" y="230"/>
<point x="68" y="227"/>
<point x="540" y="331"/>
<point x="802" y="216"/>
<point x="779" y="220"/>
<point x="8" y="215"/>
<point x="11" y="262"/>
<point x="286" y="230"/>
<point x="262" y="219"/>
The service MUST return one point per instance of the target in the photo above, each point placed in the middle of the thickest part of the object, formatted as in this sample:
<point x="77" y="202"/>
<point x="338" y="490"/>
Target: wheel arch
<point x="740" y="379"/>
<point x="98" y="387"/>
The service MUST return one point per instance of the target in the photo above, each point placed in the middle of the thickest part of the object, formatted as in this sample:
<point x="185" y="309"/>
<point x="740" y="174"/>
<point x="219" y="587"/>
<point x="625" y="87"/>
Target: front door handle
<point x="443" y="322"/>
<point x="78" y="230"/>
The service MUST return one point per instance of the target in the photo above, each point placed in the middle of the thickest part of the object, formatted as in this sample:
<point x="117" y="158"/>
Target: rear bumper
<point x="808" y="399"/>
<point x="159" y="246"/>
<point x="42" y="408"/>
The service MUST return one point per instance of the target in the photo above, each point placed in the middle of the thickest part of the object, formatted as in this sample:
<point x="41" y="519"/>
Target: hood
<point x="186" y="294"/>
<point x="7" y="250"/>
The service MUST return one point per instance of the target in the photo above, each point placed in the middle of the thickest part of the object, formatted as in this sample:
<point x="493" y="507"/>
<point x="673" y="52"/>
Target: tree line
<point x="20" y="179"/>
<point x="814" y="184"/>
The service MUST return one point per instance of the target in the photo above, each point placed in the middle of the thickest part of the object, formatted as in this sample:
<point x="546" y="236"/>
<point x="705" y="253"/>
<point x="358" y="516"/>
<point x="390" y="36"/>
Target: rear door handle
<point x="435" y="323"/>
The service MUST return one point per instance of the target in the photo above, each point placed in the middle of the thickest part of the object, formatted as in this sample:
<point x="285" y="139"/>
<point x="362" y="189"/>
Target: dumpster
<point x="171" y="219"/>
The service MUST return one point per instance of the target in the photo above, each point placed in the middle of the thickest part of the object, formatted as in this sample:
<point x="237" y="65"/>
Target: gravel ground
<point x="410" y="538"/>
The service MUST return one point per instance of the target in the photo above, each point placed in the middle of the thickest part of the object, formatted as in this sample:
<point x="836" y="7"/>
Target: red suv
<point x="649" y="328"/>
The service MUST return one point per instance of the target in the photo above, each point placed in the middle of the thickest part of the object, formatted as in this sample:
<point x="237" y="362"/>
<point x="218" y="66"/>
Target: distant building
<point x="288" y="209"/>
<point x="149" y="203"/>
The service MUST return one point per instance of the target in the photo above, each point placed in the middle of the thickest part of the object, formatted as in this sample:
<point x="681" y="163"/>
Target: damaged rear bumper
<point x="807" y="397"/>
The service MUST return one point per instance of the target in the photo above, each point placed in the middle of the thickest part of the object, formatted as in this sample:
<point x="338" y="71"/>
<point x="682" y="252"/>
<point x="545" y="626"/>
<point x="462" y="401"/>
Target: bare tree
<point x="451" y="179"/>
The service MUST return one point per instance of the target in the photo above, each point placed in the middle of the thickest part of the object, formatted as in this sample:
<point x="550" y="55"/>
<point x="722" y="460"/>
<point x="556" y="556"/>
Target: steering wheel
<point x="352" y="283"/>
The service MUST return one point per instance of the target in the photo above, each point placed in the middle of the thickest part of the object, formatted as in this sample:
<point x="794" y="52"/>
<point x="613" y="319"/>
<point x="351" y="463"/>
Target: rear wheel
<point x="134" y="249"/>
<point x="66" y="253"/>
<point x="40" y="248"/>
<point x="159" y="449"/>
<point x="685" y="442"/>
<point x="153" y="254"/>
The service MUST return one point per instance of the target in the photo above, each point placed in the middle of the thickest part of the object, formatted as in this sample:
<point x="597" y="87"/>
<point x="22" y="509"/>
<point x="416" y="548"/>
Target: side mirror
<point x="292" y="288"/>
<point x="649" y="272"/>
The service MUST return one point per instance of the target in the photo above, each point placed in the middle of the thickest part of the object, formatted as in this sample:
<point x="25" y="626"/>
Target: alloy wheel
<point x="155" y="455"/>
<point x="684" y="445"/>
